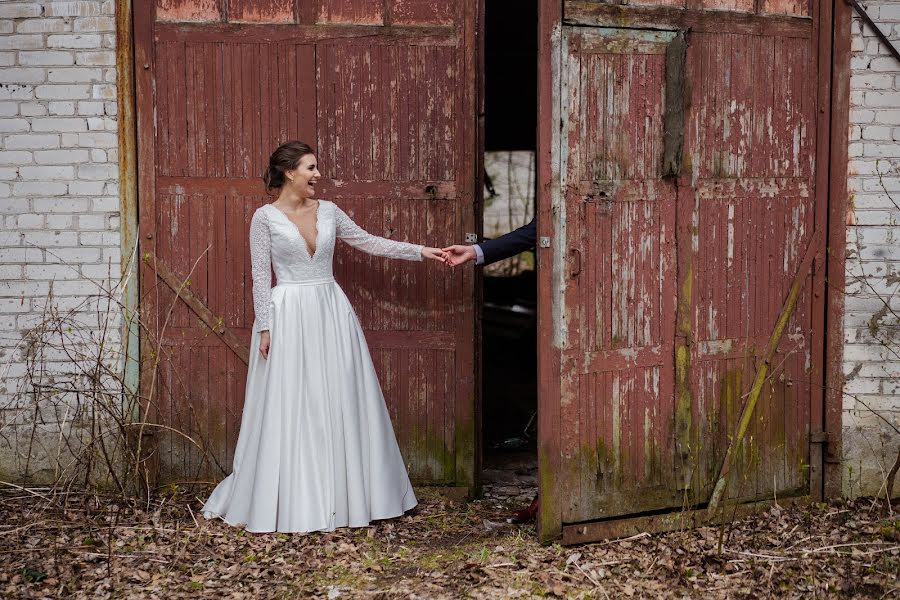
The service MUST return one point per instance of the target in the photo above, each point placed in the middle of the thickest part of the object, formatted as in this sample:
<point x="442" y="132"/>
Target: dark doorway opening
<point x="509" y="334"/>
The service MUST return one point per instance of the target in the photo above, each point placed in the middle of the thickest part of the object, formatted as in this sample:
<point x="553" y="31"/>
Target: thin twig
<point x="763" y="556"/>
<point x="196" y="524"/>
<point x="637" y="536"/>
<point x="24" y="489"/>
<point x="586" y="574"/>
<point x="22" y="528"/>
<point x="847" y="545"/>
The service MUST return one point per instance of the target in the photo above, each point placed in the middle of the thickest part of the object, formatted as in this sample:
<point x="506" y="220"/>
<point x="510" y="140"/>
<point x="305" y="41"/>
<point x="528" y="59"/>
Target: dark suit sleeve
<point x="510" y="244"/>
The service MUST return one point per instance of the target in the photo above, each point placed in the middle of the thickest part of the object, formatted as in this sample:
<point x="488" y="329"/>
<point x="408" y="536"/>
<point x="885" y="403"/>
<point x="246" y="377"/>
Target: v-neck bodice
<point x="276" y="244"/>
<point x="310" y="253"/>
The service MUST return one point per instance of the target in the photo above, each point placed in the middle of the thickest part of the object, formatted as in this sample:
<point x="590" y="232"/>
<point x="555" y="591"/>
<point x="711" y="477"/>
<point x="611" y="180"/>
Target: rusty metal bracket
<point x="827" y="440"/>
<point x="865" y="17"/>
<point x="819" y="437"/>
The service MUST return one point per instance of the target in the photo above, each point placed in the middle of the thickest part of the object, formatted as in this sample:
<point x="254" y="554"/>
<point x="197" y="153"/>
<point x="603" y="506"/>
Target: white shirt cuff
<point x="479" y="255"/>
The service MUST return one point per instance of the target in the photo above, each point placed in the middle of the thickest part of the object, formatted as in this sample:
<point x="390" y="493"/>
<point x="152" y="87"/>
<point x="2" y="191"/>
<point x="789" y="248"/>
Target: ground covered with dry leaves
<point x="85" y="546"/>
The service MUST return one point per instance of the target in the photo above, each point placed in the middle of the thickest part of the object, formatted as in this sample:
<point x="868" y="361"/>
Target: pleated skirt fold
<point x="316" y="449"/>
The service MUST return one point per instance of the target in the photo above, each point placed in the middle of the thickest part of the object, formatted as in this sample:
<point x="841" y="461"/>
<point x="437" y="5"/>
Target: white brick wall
<point x="871" y="325"/>
<point x="58" y="193"/>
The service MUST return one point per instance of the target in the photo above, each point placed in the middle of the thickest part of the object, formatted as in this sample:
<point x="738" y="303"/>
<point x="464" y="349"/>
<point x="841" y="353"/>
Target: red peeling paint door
<point x="386" y="92"/>
<point x="617" y="284"/>
<point x="679" y="201"/>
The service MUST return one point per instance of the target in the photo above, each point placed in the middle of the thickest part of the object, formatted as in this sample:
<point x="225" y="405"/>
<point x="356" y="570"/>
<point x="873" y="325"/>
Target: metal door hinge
<point x="819" y="437"/>
<point x="471" y="238"/>
<point x="830" y="446"/>
<point x="544" y="242"/>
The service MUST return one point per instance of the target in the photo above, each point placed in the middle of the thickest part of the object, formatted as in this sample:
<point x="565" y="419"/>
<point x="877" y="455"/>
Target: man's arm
<point x="491" y="251"/>
<point x="510" y="244"/>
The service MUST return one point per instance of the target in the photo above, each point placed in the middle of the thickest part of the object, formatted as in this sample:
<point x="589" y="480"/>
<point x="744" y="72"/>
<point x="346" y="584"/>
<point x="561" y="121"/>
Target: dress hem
<point x="210" y="515"/>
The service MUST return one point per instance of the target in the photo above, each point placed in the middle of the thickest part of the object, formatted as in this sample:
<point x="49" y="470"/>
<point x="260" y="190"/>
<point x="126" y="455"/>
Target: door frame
<point x="126" y="101"/>
<point x="831" y="28"/>
<point x="547" y="200"/>
<point x="834" y="50"/>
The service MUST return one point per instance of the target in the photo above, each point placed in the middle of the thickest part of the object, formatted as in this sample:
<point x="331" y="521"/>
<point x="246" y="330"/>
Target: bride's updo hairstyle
<point x="286" y="157"/>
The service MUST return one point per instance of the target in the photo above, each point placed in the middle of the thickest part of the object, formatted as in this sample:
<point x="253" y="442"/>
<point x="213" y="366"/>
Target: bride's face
<point x="305" y="176"/>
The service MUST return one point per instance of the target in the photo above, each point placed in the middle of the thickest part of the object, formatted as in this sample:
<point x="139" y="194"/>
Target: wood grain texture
<point x="189" y="10"/>
<point x="618" y="374"/>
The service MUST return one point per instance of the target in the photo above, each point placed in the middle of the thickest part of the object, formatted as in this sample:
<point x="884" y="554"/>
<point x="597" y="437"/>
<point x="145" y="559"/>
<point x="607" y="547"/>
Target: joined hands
<point x="452" y="256"/>
<point x="459" y="254"/>
<point x="435" y="254"/>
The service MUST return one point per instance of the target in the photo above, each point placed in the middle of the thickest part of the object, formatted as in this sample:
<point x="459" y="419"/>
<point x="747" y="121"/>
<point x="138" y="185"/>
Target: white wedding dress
<point x="316" y="448"/>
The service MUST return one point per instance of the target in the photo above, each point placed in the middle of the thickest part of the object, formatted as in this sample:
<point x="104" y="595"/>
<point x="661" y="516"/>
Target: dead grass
<point x="87" y="546"/>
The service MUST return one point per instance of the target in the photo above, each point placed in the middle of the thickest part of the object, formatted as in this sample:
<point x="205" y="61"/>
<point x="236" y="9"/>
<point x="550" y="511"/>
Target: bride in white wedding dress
<point x="316" y="450"/>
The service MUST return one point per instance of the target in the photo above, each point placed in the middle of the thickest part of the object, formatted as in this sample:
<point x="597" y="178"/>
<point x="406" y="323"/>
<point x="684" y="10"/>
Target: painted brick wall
<point x="872" y="343"/>
<point x="58" y="204"/>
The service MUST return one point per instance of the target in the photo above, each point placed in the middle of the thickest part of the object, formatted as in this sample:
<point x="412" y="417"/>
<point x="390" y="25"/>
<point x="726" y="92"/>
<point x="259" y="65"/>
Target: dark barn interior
<point x="509" y="425"/>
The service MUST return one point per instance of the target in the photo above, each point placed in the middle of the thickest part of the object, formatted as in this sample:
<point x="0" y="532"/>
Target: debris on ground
<point x="90" y="546"/>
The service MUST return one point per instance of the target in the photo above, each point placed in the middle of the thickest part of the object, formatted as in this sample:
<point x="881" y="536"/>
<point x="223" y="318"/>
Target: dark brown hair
<point x="286" y="157"/>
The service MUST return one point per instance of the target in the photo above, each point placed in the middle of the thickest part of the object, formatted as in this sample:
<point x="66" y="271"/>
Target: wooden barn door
<point x="386" y="93"/>
<point x="685" y="206"/>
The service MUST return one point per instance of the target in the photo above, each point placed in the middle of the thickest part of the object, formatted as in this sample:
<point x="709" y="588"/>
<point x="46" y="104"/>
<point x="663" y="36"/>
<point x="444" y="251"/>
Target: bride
<point x="316" y="448"/>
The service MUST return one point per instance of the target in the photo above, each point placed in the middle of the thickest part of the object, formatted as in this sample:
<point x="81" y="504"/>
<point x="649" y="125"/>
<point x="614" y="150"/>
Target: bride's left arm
<point x="359" y="238"/>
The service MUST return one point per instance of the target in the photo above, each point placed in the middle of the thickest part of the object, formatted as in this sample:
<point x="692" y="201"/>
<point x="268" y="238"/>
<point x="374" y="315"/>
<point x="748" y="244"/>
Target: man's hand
<point x="459" y="255"/>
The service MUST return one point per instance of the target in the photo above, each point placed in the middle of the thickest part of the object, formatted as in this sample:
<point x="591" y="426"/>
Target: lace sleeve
<point x="357" y="237"/>
<point x="261" y="267"/>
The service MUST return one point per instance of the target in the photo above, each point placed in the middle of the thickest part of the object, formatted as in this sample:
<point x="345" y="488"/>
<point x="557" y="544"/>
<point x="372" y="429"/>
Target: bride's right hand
<point x="264" y="340"/>
<point x="434" y="254"/>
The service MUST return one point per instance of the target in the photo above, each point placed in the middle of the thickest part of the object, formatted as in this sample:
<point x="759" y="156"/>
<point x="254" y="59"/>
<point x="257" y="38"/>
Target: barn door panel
<point x="211" y="142"/>
<point x="750" y="139"/>
<point x="391" y="122"/>
<point x="682" y="202"/>
<point x="618" y="281"/>
<point x="391" y="110"/>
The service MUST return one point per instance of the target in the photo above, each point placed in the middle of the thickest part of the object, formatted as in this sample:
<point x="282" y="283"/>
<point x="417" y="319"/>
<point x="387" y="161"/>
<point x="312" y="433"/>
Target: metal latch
<point x="544" y="242"/>
<point x="471" y="238"/>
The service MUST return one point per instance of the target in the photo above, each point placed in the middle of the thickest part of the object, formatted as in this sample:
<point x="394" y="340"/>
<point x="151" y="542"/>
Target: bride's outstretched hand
<point x="435" y="254"/>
